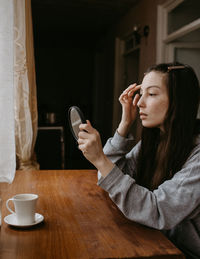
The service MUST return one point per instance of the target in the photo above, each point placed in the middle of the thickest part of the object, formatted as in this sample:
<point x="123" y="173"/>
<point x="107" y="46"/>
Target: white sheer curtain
<point x="25" y="86"/>
<point x="7" y="131"/>
<point x="18" y="102"/>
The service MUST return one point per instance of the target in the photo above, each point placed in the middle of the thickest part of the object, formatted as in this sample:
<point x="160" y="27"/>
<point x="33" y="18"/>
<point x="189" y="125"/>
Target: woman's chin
<point x="146" y="124"/>
<point x="149" y="125"/>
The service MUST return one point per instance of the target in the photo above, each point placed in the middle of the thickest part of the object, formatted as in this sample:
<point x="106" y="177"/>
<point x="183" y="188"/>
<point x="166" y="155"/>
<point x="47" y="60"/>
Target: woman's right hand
<point x="129" y="108"/>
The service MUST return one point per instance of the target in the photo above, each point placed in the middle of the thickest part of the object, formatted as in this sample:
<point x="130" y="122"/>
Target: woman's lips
<point x="143" y="115"/>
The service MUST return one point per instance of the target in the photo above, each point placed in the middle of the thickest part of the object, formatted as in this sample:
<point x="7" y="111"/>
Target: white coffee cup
<point x="24" y="205"/>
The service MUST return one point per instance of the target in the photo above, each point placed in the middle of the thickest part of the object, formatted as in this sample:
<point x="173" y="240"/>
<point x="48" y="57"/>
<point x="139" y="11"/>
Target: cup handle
<point x="8" y="205"/>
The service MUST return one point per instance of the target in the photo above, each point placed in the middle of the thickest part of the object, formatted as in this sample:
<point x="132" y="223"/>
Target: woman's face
<point x="153" y="103"/>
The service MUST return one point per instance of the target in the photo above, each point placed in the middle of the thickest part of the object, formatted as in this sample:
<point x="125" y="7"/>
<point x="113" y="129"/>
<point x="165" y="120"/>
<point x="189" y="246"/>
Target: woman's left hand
<point x="90" y="144"/>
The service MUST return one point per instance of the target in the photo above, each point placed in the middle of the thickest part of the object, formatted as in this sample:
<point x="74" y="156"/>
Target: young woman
<point x="157" y="181"/>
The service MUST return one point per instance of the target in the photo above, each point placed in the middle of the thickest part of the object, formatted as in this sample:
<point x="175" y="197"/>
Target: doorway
<point x="131" y="67"/>
<point x="126" y="73"/>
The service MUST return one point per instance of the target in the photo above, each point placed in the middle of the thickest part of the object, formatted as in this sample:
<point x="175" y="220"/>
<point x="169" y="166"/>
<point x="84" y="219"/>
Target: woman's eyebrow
<point x="151" y="87"/>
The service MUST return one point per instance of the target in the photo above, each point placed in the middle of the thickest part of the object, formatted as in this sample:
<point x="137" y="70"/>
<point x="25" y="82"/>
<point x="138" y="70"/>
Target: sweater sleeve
<point x="165" y="207"/>
<point x="122" y="152"/>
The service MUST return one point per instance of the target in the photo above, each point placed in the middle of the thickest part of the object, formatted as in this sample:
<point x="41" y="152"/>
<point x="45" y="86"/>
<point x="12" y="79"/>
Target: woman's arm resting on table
<point x="165" y="207"/>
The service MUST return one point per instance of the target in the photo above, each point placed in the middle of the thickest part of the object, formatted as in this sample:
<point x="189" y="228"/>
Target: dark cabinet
<point x="50" y="147"/>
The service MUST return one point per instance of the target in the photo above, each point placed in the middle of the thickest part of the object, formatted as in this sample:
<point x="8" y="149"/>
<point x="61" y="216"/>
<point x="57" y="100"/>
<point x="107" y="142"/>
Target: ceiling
<point x="78" y="15"/>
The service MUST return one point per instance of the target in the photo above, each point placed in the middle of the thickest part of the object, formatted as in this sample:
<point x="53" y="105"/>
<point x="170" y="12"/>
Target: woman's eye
<point x="152" y="94"/>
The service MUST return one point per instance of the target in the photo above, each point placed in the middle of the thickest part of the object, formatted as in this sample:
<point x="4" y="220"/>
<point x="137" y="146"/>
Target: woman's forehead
<point x="153" y="79"/>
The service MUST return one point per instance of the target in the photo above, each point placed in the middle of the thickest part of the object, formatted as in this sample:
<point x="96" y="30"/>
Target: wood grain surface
<point x="80" y="222"/>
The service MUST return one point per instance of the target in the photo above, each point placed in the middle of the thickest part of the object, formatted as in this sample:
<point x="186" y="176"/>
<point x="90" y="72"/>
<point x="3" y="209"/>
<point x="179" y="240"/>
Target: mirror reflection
<point x="75" y="119"/>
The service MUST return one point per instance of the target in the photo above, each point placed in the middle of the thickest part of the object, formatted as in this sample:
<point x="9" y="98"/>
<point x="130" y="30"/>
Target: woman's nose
<point x="140" y="102"/>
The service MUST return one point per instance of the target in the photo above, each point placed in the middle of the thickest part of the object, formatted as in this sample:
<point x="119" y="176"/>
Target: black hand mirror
<point x="76" y="117"/>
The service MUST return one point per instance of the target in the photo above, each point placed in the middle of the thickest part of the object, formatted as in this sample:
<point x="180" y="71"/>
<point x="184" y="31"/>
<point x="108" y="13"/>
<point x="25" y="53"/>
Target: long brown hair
<point x="162" y="155"/>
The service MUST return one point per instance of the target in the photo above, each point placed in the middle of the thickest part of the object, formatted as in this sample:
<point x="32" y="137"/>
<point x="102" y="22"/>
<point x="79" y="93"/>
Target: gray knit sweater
<point x="174" y="207"/>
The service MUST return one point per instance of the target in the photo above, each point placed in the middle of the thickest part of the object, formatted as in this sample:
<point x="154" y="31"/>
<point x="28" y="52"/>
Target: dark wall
<point x="75" y="69"/>
<point x="64" y="77"/>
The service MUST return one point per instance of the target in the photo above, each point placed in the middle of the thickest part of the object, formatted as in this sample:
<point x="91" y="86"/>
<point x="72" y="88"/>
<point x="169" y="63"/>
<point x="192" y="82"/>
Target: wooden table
<point x="80" y="222"/>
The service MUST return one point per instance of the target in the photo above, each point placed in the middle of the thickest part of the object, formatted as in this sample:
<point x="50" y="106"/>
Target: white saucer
<point x="12" y="221"/>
